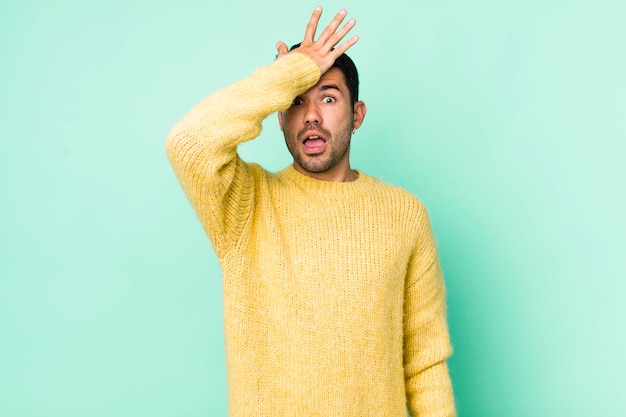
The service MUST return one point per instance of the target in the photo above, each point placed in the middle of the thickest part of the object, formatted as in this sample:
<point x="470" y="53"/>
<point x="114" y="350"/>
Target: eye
<point x="328" y="99"/>
<point x="297" y="101"/>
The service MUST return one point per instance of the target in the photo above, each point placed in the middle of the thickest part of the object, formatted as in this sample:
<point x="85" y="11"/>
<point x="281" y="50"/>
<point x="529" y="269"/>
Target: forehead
<point x="333" y="77"/>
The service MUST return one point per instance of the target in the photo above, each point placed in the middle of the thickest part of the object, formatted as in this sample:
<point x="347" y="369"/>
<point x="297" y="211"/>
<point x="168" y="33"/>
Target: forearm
<point x="209" y="134"/>
<point x="427" y="347"/>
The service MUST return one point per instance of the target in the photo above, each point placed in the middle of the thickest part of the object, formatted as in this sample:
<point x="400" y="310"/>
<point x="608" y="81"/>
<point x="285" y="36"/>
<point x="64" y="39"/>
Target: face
<point x="318" y="127"/>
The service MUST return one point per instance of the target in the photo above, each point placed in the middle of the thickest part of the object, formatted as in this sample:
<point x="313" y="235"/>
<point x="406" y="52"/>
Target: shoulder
<point x="399" y="197"/>
<point x="409" y="212"/>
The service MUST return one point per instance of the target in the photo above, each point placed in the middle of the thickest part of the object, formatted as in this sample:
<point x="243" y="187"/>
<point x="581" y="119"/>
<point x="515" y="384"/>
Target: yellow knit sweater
<point x="334" y="303"/>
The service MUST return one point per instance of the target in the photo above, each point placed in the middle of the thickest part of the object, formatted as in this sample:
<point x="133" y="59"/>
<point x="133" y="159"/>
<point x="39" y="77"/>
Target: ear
<point x="359" y="114"/>
<point x="280" y="121"/>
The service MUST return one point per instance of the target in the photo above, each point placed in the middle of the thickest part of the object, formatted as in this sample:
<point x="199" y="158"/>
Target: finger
<point x="311" y="27"/>
<point x="337" y="36"/>
<point x="281" y="48"/>
<point x="344" y="46"/>
<point x="332" y="26"/>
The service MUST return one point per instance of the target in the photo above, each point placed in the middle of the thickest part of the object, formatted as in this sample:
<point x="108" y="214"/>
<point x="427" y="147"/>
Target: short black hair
<point x="345" y="64"/>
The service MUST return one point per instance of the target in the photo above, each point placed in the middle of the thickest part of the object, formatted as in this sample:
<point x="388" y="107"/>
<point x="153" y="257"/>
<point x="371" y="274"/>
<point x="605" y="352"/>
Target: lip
<point x="313" y="149"/>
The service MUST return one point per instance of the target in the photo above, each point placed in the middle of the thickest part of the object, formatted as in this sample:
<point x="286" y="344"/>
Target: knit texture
<point x="334" y="302"/>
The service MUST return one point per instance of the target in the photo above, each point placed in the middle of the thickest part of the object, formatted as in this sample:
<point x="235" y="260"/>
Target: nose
<point x="312" y="115"/>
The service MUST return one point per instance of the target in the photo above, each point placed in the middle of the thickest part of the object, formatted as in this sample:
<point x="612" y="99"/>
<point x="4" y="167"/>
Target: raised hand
<point x="321" y="50"/>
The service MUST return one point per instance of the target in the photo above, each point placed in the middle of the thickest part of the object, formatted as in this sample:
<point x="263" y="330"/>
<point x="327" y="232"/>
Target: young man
<point x="334" y="303"/>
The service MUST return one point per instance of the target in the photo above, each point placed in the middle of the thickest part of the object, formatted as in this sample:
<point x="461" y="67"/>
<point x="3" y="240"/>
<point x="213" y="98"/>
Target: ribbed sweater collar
<point x="329" y="189"/>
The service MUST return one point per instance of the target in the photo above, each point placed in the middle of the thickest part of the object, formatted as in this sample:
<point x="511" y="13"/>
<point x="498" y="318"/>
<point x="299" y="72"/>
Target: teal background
<point x="506" y="118"/>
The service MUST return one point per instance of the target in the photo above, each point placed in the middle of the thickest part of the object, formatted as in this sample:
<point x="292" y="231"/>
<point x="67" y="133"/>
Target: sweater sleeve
<point x="202" y="146"/>
<point x="426" y="338"/>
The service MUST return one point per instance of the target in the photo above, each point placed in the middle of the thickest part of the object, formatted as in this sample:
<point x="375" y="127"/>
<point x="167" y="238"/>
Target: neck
<point x="335" y="174"/>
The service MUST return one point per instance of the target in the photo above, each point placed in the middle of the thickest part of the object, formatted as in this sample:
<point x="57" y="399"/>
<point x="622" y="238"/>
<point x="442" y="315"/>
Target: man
<point x="334" y="303"/>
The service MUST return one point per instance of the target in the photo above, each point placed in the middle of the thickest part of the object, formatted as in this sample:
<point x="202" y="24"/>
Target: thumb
<point x="281" y="47"/>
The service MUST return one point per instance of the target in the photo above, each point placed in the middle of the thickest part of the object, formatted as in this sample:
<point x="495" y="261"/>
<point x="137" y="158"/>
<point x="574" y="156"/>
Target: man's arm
<point x="426" y="339"/>
<point x="202" y="147"/>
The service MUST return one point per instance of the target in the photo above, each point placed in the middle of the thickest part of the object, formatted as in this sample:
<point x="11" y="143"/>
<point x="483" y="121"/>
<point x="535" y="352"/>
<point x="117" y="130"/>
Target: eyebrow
<point x="325" y="87"/>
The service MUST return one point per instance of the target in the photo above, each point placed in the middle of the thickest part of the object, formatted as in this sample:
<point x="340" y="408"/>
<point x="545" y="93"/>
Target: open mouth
<point x="314" y="142"/>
